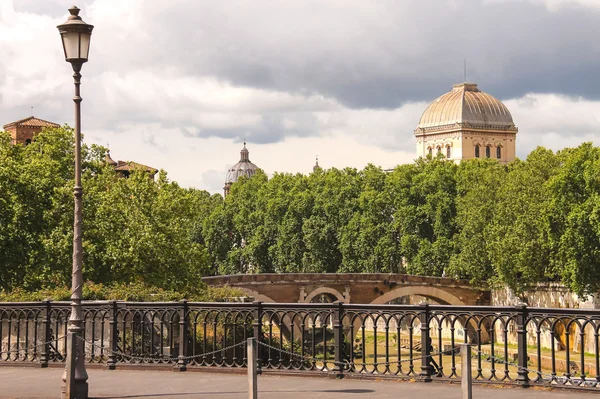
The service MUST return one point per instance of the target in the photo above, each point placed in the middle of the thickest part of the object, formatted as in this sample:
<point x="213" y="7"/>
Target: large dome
<point x="466" y="106"/>
<point x="242" y="168"/>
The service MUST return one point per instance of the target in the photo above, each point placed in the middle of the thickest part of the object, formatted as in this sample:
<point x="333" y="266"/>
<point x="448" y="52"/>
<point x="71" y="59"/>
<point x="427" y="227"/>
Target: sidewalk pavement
<point x="25" y="382"/>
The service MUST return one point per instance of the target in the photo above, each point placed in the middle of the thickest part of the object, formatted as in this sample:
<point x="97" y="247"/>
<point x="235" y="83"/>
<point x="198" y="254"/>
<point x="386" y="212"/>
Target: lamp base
<point x="79" y="391"/>
<point x="75" y="377"/>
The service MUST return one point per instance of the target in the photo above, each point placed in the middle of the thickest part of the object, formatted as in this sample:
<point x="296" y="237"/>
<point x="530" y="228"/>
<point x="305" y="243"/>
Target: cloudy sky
<point x="180" y="84"/>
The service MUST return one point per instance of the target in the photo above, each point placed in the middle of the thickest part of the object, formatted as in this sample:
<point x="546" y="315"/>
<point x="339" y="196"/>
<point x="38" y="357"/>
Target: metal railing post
<point x="523" y="374"/>
<point x="183" y="329"/>
<point x="252" y="369"/>
<point x="466" y="371"/>
<point x="113" y="337"/>
<point x="257" y="325"/>
<point x="45" y="355"/>
<point x="338" y="334"/>
<point x="425" y="375"/>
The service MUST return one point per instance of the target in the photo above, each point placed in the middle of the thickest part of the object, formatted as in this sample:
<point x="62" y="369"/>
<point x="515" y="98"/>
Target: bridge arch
<point x="428" y="292"/>
<point x="324" y="290"/>
<point x="256" y="295"/>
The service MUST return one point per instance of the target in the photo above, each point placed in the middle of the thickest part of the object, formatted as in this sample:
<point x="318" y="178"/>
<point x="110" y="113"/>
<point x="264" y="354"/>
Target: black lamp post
<point x="75" y="36"/>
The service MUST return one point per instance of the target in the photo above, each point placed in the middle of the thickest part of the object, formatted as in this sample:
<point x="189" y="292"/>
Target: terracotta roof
<point x="109" y="160"/>
<point x="123" y="166"/>
<point x="32" y="121"/>
<point x="469" y="106"/>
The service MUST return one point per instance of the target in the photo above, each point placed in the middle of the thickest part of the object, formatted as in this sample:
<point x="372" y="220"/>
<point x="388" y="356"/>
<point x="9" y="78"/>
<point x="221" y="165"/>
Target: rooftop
<point x="31" y="121"/>
<point x="468" y="106"/>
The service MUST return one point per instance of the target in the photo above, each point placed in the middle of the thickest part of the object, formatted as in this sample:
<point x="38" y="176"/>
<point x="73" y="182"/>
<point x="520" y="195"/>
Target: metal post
<point x="466" y="372"/>
<point x="45" y="355"/>
<point x="252" y="369"/>
<point x="521" y="319"/>
<point x="113" y="337"/>
<point x="181" y="362"/>
<point x="338" y="334"/>
<point x="425" y="375"/>
<point x="75" y="376"/>
<point x="258" y="334"/>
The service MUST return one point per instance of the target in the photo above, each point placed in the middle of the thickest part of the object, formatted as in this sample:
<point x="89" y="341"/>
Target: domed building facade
<point x="467" y="123"/>
<point x="243" y="168"/>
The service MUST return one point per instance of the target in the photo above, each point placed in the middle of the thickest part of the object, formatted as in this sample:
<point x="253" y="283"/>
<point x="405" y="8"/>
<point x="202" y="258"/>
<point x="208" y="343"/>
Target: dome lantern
<point x="243" y="168"/>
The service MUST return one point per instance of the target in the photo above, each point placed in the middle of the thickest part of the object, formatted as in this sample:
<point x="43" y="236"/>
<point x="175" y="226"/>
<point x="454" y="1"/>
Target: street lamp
<point x="75" y="36"/>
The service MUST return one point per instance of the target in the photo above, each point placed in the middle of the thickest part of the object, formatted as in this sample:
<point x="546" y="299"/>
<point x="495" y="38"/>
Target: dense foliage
<point x="136" y="230"/>
<point x="516" y="225"/>
<point x="532" y="220"/>
<point x="123" y="292"/>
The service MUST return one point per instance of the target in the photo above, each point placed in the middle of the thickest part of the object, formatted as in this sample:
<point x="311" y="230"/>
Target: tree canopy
<point x="136" y="230"/>
<point x="532" y="220"/>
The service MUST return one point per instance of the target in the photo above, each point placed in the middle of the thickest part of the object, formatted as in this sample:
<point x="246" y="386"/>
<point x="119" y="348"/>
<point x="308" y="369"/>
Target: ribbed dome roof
<point x="242" y="168"/>
<point x="467" y="105"/>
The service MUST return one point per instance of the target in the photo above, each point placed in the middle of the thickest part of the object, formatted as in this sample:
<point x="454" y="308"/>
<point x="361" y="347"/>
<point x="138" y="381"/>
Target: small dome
<point x="242" y="168"/>
<point x="467" y="106"/>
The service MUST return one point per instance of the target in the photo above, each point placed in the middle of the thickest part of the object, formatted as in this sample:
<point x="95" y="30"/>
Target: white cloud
<point x="554" y="121"/>
<point x="346" y="138"/>
<point x="553" y="5"/>
<point x="203" y="162"/>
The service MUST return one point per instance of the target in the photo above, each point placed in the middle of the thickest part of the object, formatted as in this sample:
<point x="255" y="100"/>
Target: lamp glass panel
<point x="71" y="44"/>
<point x="85" y="45"/>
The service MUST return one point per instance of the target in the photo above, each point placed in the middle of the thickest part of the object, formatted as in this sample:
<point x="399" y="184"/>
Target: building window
<point x="430" y="151"/>
<point x="498" y="152"/>
<point x="448" y="152"/>
<point x="488" y="151"/>
<point x="28" y="141"/>
<point x="477" y="151"/>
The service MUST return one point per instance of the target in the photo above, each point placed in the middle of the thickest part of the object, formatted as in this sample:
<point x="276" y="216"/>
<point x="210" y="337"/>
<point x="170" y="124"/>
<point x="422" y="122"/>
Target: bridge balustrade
<point x="511" y="345"/>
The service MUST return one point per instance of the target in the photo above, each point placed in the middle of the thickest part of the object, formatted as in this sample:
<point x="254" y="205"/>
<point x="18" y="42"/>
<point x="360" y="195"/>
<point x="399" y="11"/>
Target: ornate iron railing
<point x="514" y="345"/>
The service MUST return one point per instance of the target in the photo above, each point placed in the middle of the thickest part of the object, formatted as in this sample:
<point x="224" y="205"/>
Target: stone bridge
<point x="375" y="288"/>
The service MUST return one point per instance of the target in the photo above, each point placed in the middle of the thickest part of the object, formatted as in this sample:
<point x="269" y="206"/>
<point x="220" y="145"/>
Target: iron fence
<point x="512" y="345"/>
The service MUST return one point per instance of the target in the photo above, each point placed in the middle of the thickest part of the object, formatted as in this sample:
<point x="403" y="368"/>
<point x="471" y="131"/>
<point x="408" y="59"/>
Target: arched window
<point x="448" y="151"/>
<point x="439" y="150"/>
<point x="498" y="152"/>
<point x="430" y="151"/>
<point x="477" y="151"/>
<point x="28" y="141"/>
<point x="488" y="151"/>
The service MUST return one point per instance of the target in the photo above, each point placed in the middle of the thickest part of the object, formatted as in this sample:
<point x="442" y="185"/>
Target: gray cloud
<point x="389" y="52"/>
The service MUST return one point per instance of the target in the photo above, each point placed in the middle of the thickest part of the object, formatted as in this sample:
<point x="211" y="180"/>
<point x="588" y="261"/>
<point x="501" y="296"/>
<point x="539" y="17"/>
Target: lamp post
<point x="75" y="36"/>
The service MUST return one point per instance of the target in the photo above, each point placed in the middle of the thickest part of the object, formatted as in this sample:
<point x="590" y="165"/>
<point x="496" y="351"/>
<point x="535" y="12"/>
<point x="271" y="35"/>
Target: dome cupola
<point x="243" y="168"/>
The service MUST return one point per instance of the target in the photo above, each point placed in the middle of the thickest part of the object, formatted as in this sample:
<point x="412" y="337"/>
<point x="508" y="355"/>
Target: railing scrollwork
<point x="511" y="345"/>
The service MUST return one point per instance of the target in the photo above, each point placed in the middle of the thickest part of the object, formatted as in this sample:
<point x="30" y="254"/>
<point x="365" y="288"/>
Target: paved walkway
<point x="126" y="384"/>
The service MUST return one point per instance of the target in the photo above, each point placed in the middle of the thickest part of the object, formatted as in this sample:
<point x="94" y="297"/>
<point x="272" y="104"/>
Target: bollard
<point x="252" y="371"/>
<point x="465" y="371"/>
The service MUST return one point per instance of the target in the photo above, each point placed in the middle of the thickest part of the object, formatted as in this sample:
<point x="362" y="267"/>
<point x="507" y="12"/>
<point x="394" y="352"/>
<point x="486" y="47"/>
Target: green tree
<point x="135" y="229"/>
<point x="424" y="196"/>
<point x="477" y="184"/>
<point x="574" y="219"/>
<point x="336" y="193"/>
<point x="369" y="242"/>
<point x="518" y="242"/>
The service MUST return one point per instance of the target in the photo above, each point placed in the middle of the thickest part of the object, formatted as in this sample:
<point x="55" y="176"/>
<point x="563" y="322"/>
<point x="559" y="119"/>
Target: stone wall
<point x="545" y="295"/>
<point x="549" y="295"/>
